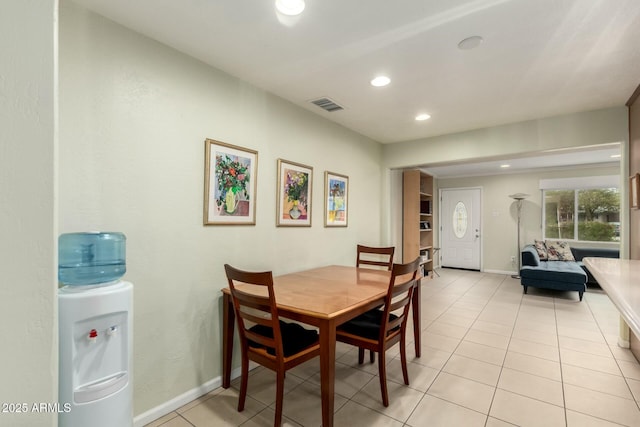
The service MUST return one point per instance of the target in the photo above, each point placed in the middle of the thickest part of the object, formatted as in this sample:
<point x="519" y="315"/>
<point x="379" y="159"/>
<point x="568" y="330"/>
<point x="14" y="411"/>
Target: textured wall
<point x="29" y="356"/>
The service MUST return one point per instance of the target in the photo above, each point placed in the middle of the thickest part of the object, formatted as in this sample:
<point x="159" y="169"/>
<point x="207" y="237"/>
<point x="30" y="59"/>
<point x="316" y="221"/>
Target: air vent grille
<point x="327" y="104"/>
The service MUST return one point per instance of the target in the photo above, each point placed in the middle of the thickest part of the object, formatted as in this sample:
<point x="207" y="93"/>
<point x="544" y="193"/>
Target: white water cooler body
<point x="96" y="340"/>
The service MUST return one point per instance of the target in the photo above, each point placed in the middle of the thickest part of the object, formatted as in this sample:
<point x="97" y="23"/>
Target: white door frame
<point x="440" y="190"/>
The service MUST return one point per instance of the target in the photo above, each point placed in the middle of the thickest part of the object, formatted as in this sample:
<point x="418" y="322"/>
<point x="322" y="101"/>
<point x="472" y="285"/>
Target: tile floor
<point x="491" y="356"/>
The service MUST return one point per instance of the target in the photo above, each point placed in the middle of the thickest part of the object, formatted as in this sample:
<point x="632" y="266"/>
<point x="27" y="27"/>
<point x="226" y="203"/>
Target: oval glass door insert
<point x="460" y="220"/>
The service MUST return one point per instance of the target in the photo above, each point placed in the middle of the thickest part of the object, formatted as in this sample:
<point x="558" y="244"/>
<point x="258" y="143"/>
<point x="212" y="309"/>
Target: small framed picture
<point x="230" y="184"/>
<point x="336" y="199"/>
<point x="294" y="194"/>
<point x="634" y="189"/>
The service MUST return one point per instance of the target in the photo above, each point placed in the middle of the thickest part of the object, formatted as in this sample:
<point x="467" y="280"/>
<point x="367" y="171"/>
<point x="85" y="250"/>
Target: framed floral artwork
<point x="336" y="196"/>
<point x="294" y="194"/>
<point x="230" y="184"/>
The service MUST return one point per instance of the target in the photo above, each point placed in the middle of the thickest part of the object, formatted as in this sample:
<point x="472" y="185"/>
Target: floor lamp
<point x="518" y="197"/>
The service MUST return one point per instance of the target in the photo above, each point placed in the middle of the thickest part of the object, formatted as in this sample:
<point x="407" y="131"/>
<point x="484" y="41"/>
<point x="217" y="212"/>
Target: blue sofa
<point x="580" y="253"/>
<point x="560" y="275"/>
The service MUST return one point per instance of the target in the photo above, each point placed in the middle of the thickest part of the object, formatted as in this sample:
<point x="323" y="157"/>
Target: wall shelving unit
<point x="417" y="218"/>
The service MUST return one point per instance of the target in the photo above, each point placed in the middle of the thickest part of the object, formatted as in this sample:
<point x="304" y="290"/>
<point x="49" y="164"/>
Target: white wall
<point x="499" y="212"/>
<point x="134" y="115"/>
<point x="28" y="229"/>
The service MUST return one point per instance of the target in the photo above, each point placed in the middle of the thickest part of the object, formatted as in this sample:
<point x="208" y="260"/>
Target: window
<point x="460" y="220"/>
<point x="582" y="214"/>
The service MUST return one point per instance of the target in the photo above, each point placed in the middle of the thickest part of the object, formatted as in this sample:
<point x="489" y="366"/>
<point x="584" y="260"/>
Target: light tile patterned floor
<point x="491" y="357"/>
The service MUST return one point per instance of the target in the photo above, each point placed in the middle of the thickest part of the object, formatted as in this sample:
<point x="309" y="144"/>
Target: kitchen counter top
<point x="620" y="279"/>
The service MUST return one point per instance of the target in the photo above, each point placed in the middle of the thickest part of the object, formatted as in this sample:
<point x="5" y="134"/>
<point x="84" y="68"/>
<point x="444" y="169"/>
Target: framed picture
<point x="634" y="189"/>
<point x="230" y="184"/>
<point x="336" y="199"/>
<point x="294" y="194"/>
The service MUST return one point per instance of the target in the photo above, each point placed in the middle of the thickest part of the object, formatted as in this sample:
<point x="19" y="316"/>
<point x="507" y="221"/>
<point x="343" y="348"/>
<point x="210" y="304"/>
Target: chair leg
<point x="244" y="379"/>
<point x="372" y="356"/>
<point x="279" y="398"/>
<point x="403" y="359"/>
<point x="360" y="355"/>
<point x="382" y="372"/>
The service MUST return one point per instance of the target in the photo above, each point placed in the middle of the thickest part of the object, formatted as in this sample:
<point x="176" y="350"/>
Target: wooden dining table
<point x="323" y="297"/>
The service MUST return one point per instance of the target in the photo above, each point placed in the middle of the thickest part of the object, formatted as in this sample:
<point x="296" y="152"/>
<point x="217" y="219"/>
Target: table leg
<point x="327" y="370"/>
<point x="624" y="335"/>
<point x="228" y="320"/>
<point x="416" y="317"/>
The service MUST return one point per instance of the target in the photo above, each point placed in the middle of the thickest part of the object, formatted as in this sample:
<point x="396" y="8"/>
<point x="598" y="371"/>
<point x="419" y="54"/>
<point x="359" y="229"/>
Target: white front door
<point x="460" y="218"/>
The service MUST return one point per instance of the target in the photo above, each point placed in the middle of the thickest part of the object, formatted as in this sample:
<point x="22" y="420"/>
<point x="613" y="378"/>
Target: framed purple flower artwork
<point x="294" y="194"/>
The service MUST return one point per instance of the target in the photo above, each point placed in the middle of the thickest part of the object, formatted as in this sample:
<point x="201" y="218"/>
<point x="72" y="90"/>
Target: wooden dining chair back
<point x="381" y="257"/>
<point x="375" y="256"/>
<point x="264" y="337"/>
<point x="378" y="330"/>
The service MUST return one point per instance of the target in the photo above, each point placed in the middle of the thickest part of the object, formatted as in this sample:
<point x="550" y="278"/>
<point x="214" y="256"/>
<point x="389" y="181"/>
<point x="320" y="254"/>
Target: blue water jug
<point x="91" y="258"/>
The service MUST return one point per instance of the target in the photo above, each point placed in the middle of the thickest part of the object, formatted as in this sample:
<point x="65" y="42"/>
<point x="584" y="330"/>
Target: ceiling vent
<point x="327" y="104"/>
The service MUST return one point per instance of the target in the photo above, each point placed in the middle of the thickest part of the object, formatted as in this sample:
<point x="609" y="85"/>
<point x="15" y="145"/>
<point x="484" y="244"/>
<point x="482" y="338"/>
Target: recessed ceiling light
<point x="470" y="43"/>
<point x="505" y="166"/>
<point x="616" y="156"/>
<point x="290" y="7"/>
<point x="421" y="117"/>
<point x="380" y="81"/>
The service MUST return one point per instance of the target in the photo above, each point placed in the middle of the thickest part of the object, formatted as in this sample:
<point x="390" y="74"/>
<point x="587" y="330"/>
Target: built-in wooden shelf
<point x="417" y="208"/>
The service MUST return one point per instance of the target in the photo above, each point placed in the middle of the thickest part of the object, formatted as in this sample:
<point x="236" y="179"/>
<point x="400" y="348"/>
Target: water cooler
<point x="95" y="331"/>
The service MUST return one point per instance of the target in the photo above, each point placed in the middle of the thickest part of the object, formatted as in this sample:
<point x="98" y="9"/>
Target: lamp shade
<point x="519" y="196"/>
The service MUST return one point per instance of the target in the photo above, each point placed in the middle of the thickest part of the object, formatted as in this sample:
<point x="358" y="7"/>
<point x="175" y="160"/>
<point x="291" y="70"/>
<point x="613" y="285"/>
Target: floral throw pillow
<point x="559" y="251"/>
<point x="541" y="248"/>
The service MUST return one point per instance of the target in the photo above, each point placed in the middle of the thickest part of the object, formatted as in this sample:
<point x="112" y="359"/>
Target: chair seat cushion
<point x="295" y="338"/>
<point x="367" y="325"/>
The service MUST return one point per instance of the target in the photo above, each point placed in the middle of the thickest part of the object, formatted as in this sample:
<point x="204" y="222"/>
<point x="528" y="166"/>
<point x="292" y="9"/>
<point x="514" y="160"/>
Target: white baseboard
<point x="623" y="343"/>
<point x="179" y="401"/>
<point x="500" y="272"/>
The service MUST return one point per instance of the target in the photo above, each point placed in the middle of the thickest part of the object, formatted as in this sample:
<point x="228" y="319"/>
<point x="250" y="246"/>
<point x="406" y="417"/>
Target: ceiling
<point x="538" y="58"/>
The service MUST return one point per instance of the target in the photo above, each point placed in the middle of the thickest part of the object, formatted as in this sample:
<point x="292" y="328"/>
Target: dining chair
<point x="380" y="329"/>
<point x="384" y="256"/>
<point x="264" y="338"/>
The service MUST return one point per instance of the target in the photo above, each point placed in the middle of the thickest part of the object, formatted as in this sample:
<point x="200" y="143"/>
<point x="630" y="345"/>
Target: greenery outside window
<point x="584" y="214"/>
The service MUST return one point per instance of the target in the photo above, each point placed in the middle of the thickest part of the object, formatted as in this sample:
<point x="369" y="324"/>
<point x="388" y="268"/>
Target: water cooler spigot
<point x="93" y="336"/>
<point x="113" y="330"/>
